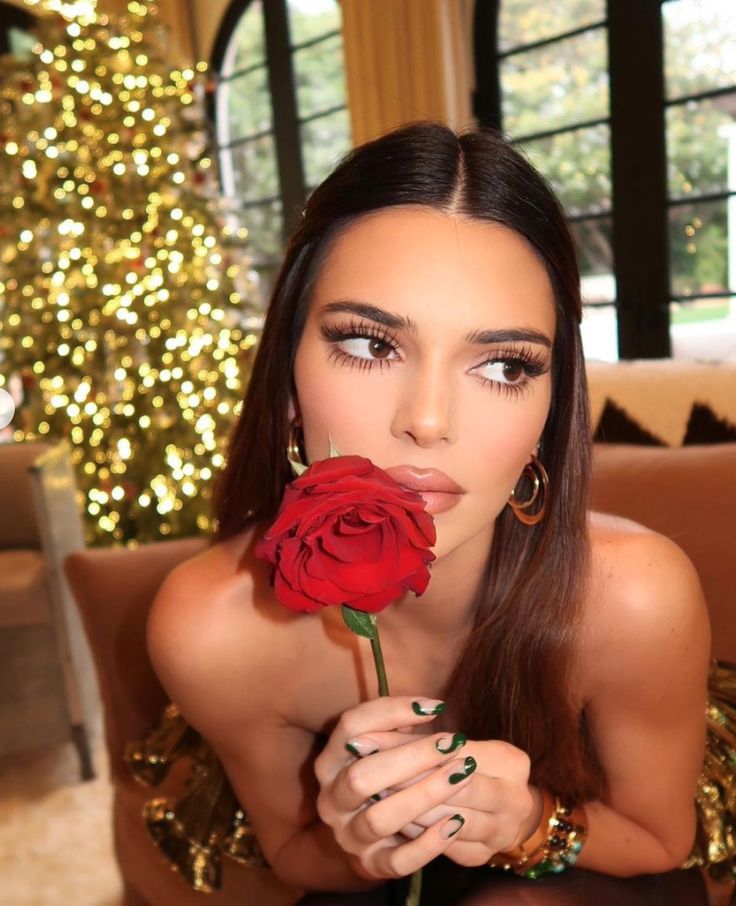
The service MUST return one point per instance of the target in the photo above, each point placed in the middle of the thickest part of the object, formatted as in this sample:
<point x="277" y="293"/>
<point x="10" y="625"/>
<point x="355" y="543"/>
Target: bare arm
<point x="220" y="662"/>
<point x="645" y="675"/>
<point x="647" y="710"/>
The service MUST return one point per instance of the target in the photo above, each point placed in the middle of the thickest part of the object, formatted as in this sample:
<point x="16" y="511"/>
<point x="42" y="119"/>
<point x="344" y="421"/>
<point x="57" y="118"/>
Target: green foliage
<point x="567" y="82"/>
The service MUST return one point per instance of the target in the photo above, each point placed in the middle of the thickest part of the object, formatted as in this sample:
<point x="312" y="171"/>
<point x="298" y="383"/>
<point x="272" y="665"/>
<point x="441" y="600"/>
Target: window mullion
<point x="285" y="118"/>
<point x="639" y="175"/>
<point x="487" y="95"/>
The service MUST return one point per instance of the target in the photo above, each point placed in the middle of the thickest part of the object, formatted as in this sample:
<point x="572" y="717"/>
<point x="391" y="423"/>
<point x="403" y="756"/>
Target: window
<point x="280" y="111"/>
<point x="700" y="111"/>
<point x="626" y="108"/>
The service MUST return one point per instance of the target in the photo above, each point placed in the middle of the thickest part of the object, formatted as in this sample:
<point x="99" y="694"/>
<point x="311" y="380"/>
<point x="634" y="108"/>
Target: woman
<point x="426" y="317"/>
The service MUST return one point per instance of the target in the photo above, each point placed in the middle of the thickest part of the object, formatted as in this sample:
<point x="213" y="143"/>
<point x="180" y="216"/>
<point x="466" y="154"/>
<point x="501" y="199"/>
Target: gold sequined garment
<point x="204" y="821"/>
<point x="715" y="798"/>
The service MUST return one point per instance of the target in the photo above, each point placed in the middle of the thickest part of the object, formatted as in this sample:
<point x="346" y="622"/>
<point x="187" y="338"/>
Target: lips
<point x="424" y="480"/>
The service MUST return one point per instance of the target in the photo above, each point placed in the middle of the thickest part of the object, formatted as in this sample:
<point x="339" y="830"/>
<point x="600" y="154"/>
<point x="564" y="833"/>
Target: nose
<point x="424" y="410"/>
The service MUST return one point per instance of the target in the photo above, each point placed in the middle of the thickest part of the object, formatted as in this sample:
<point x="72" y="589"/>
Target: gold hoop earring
<point x="534" y="472"/>
<point x="293" y="453"/>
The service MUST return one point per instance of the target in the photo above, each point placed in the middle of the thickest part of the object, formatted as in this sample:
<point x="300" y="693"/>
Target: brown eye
<point x="379" y="348"/>
<point x="513" y="371"/>
<point x="367" y="349"/>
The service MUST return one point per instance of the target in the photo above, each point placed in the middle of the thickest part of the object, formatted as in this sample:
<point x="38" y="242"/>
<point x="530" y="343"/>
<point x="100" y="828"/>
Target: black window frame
<point x="282" y="86"/>
<point x="640" y="201"/>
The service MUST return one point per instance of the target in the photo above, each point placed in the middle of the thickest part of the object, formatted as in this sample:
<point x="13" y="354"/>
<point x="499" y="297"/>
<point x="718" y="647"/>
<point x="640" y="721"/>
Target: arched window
<point x="280" y="112"/>
<point x="625" y="107"/>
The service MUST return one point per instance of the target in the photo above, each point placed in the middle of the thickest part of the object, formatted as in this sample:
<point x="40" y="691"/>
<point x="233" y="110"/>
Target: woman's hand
<point x="499" y="806"/>
<point x="385" y="756"/>
<point x="418" y="796"/>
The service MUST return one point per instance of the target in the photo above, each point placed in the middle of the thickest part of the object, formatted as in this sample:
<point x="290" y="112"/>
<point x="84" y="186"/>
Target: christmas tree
<point x="125" y="297"/>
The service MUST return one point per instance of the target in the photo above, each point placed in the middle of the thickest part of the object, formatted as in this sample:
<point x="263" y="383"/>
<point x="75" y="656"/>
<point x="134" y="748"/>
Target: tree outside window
<point x="552" y="68"/>
<point x="281" y="114"/>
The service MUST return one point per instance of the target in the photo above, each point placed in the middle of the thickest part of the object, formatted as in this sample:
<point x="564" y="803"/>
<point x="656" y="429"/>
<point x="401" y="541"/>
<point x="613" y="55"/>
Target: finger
<point x="387" y="817"/>
<point x="378" y="715"/>
<point x="370" y="743"/>
<point x="391" y="769"/>
<point x="403" y="860"/>
<point x="433" y="815"/>
<point x="484" y="833"/>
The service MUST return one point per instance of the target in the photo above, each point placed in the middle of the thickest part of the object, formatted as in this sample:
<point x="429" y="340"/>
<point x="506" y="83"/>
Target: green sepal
<point x="360" y="622"/>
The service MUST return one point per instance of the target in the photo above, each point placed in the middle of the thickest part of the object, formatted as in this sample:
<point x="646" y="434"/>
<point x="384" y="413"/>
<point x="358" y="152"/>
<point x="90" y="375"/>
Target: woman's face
<point x="388" y="368"/>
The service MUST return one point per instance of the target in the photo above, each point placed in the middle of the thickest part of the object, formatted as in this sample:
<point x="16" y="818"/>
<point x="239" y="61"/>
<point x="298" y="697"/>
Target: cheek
<point x="505" y="444"/>
<point x="329" y="398"/>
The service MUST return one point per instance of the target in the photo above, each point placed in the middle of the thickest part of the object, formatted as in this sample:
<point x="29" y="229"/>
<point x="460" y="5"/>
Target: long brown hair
<point x="513" y="678"/>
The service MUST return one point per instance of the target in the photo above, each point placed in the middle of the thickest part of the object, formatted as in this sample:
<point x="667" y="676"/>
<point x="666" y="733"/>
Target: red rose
<point x="347" y="533"/>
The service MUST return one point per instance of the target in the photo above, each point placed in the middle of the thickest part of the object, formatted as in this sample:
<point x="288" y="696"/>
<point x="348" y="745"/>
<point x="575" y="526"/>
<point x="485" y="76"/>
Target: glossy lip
<point x="424" y="479"/>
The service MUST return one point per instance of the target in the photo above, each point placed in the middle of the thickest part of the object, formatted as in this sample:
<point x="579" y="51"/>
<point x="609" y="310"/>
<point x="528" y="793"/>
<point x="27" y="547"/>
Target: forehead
<point x="438" y="267"/>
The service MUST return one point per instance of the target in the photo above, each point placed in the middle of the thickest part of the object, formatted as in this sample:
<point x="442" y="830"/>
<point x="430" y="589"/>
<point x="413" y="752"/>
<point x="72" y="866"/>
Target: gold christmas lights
<point x="122" y="290"/>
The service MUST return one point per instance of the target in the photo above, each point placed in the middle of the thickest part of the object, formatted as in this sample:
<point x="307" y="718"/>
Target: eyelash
<point x="532" y="363"/>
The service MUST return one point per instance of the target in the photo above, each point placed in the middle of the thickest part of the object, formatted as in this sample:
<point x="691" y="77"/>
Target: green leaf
<point x="360" y="622"/>
<point x="333" y="449"/>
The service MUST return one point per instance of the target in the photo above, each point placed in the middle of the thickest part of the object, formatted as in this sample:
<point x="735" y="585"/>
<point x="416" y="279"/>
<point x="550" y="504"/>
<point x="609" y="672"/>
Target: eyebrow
<point x="399" y="322"/>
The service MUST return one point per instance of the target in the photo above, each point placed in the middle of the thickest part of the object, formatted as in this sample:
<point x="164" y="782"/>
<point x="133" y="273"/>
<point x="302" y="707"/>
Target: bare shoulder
<point x="645" y="605"/>
<point x="229" y="657"/>
<point x="211" y="635"/>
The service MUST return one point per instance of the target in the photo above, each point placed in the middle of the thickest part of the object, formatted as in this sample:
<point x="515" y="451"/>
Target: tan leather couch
<point x="687" y="493"/>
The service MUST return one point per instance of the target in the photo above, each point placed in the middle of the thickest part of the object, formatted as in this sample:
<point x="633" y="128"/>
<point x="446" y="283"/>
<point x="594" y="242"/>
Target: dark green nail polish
<point x="418" y="708"/>
<point x="460" y="821"/>
<point x="469" y="765"/>
<point x="359" y="749"/>
<point x="376" y="797"/>
<point x="458" y="739"/>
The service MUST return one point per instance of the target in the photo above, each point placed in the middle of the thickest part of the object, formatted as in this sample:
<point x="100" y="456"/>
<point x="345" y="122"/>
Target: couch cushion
<point x="24" y="599"/>
<point x="688" y="494"/>
<point x="677" y="401"/>
<point x="114" y="589"/>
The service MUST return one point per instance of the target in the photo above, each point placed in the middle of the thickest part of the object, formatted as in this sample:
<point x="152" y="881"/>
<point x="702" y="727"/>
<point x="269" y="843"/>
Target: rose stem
<point x="415" y="884"/>
<point x="380" y="666"/>
<point x="415" y="889"/>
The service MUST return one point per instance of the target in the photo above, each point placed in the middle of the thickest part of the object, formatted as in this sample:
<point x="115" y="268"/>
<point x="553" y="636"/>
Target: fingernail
<point x="469" y="765"/>
<point x="451" y="827"/>
<point x="361" y="747"/>
<point x="428" y="706"/>
<point x="458" y="739"/>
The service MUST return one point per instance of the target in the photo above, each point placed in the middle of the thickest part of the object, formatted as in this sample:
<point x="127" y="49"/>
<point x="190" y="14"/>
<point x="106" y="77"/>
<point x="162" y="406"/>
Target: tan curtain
<point x="406" y="60"/>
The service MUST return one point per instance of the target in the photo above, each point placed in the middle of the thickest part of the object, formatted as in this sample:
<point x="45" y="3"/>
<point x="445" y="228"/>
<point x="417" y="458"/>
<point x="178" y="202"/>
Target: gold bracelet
<point x="525" y="853"/>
